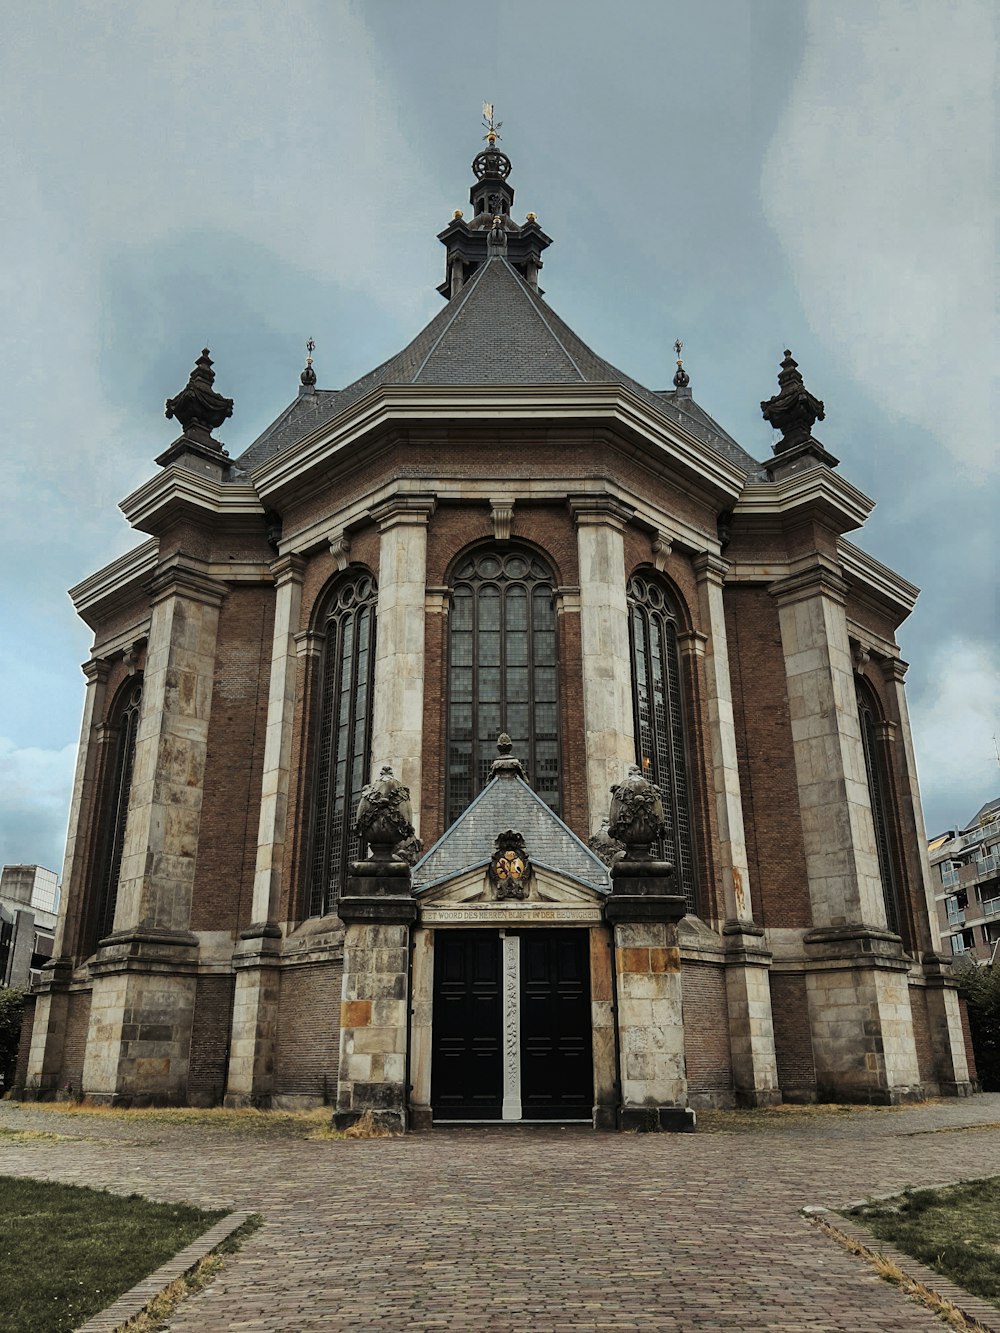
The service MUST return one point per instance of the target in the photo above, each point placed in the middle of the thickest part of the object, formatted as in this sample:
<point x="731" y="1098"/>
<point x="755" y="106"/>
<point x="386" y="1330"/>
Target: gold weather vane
<point x="492" y="130"/>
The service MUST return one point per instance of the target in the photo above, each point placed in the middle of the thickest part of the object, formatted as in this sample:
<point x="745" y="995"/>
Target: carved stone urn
<point x="384" y="812"/>
<point x="636" y="814"/>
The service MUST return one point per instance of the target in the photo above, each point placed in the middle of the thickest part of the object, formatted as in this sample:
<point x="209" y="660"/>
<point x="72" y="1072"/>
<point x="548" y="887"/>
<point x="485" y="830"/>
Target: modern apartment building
<point x="965" y="870"/>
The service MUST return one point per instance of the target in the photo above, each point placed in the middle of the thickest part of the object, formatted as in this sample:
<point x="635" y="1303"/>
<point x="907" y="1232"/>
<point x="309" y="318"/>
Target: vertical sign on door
<point x="511" y="1027"/>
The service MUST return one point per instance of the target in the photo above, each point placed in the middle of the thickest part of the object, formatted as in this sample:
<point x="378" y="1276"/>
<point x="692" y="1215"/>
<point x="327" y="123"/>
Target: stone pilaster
<point x="748" y="992"/>
<point x="652" y="1072"/>
<point x="255" y="1004"/>
<point x="397" y="722"/>
<point x="604" y="645"/>
<point x="374" y="1021"/>
<point x="81" y="811"/>
<point x="856" y="974"/>
<point x="144" y="972"/>
<point x="945" y="1020"/>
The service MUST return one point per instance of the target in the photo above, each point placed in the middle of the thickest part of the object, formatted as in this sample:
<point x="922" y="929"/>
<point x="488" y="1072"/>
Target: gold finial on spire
<point x="682" y="379"/>
<point x="308" y="376"/>
<point x="492" y="129"/>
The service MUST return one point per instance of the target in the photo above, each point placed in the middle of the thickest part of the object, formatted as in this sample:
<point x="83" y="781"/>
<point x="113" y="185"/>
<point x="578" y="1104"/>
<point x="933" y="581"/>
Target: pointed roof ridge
<point x="473" y="836"/>
<point x="453" y="309"/>
<point x="481" y="338"/>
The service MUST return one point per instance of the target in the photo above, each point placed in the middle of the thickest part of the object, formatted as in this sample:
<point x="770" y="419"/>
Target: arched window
<point x="124" y="723"/>
<point x="502" y="672"/>
<point x="659" y="721"/>
<point x="343" y="742"/>
<point x="883" y="814"/>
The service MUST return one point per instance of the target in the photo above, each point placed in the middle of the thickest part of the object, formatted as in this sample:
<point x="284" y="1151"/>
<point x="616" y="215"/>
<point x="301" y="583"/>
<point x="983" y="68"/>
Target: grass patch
<point x="67" y="1252"/>
<point x="767" y="1117"/>
<point x="164" y="1303"/>
<point x="955" y="1231"/>
<point x="245" y="1120"/>
<point x="17" y="1134"/>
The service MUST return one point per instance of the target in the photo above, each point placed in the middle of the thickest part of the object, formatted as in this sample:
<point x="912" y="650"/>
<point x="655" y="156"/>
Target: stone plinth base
<point x="374" y="1020"/>
<point x="657" y="1119"/>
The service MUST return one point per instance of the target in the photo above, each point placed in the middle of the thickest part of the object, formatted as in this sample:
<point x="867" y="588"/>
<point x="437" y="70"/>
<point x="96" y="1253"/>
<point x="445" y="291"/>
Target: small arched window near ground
<point x="883" y="810"/>
<point x="124" y="724"/>
<point x="343" y="740"/>
<point x="502" y="673"/>
<point x="658" y="712"/>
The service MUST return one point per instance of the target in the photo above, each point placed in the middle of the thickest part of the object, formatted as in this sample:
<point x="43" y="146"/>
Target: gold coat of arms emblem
<point x="510" y="868"/>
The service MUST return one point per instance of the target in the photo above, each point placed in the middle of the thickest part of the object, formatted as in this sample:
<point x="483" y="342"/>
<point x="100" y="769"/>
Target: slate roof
<point x="508" y="803"/>
<point x="497" y="331"/>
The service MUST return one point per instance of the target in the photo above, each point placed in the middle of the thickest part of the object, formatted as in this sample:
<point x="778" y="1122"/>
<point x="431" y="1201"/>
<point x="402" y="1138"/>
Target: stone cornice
<point x="817" y="492"/>
<point x="178" y="493"/>
<point x="709" y="567"/>
<point x="120" y="577"/>
<point x="182" y="576"/>
<point x="611" y="405"/>
<point x="818" y="579"/>
<point x="601" y="508"/>
<point x="876" y="582"/>
<point x="414" y="510"/>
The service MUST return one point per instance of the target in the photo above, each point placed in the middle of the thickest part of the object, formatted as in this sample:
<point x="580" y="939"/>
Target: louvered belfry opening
<point x="125" y="722"/>
<point x="658" y="709"/>
<point x="343" y="741"/>
<point x="502" y="673"/>
<point x="883" y="815"/>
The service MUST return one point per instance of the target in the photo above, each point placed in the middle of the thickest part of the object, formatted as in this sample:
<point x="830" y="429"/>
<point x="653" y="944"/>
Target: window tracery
<point x="114" y="807"/>
<point x="658" y="712"/>
<point x="502" y="672"/>
<point x="343" y="739"/>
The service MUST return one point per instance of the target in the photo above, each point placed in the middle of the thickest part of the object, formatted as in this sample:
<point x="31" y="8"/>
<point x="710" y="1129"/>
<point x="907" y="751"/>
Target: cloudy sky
<point x="744" y="174"/>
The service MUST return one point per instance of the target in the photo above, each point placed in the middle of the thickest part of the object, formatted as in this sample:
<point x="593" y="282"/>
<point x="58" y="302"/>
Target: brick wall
<point x="223" y="884"/>
<point x="706" y="1034"/>
<point x="792" y="1037"/>
<point x="766" y="760"/>
<point x="24" y="1044"/>
<point x="210" y="1038"/>
<point x="970" y="1053"/>
<point x="922" y="1035"/>
<point x="308" y="1045"/>
<point x="77" y="1023"/>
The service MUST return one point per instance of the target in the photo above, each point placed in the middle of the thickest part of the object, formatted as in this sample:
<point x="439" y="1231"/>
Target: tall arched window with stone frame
<point x="503" y="672"/>
<point x="659" y="716"/>
<point x="123" y="726"/>
<point x="874" y="742"/>
<point x="343" y="734"/>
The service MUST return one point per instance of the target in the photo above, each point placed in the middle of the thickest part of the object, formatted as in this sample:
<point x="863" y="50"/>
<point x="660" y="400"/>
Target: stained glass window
<point x="502" y="673"/>
<point x="658" y="711"/>
<point x="344" y="737"/>
<point x="882" y="808"/>
<point x="124" y="724"/>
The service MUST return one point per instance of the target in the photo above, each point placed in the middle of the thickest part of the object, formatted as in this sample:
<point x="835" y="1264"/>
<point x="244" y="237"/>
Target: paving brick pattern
<point x="549" y="1229"/>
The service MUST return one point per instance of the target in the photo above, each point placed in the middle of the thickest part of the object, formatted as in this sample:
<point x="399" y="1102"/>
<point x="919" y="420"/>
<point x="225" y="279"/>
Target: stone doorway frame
<point x="522" y="917"/>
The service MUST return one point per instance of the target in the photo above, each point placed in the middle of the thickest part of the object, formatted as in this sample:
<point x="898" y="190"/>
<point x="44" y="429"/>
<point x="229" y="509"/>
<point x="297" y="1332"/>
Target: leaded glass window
<point x="502" y="673"/>
<point x="882" y="809"/>
<point x="125" y="724"/>
<point x="343" y="742"/>
<point x="658" y="712"/>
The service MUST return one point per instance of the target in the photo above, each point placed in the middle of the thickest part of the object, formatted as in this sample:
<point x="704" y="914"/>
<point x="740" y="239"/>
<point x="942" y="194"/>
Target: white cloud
<point x="879" y="182"/>
<point x="953" y="728"/>
<point x="35" y="788"/>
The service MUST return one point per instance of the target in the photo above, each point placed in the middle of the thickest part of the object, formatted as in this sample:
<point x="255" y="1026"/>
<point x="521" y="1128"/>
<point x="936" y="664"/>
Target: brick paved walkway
<point x="546" y="1230"/>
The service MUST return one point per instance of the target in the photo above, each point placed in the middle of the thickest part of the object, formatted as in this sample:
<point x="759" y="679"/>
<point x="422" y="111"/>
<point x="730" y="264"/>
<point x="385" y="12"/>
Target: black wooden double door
<point x="555" y="1063"/>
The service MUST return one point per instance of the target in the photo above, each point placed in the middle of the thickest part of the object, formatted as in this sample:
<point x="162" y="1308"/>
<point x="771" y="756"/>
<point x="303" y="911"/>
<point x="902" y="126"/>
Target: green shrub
<point x="12" y="1004"/>
<point x="980" y="988"/>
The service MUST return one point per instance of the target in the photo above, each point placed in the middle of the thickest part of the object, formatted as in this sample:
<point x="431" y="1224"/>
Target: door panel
<point x="466" y="1072"/>
<point x="557" y="1078"/>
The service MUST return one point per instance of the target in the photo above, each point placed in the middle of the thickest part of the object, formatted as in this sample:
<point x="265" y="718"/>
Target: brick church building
<point x="496" y="532"/>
